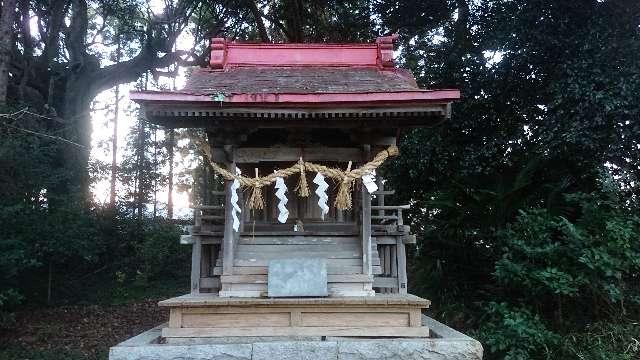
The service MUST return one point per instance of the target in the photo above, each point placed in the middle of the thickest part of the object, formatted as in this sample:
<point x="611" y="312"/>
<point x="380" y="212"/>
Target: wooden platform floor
<point x="199" y="300"/>
<point x="207" y="315"/>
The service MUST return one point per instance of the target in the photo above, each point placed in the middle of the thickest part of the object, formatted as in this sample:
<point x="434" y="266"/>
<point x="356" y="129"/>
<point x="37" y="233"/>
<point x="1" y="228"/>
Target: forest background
<point x="526" y="203"/>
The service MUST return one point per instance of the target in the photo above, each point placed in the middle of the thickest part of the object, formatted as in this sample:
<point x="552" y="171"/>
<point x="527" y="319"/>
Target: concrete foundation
<point x="444" y="344"/>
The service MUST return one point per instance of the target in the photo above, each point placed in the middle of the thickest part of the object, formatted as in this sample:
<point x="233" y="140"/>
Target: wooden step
<point x="208" y="207"/>
<point x="290" y="232"/>
<point x="262" y="278"/>
<point x="209" y="233"/>
<point x="334" y="288"/>
<point x="384" y="192"/>
<point x="355" y="261"/>
<point x="376" y="228"/>
<point x="287" y="253"/>
<point x="390" y="207"/>
<point x="334" y="262"/>
<point x="264" y="261"/>
<point x="297" y="240"/>
<point x="212" y="217"/>
<point x="246" y="248"/>
<point x="384" y="217"/>
<point x="262" y="270"/>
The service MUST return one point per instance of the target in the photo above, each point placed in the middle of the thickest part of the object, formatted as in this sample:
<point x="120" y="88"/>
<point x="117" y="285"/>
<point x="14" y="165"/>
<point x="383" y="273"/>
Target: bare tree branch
<point x="258" y="15"/>
<point x="6" y="45"/>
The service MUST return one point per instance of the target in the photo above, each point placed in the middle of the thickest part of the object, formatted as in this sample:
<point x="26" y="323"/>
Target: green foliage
<point x="602" y="341"/>
<point x="590" y="260"/>
<point x="515" y="334"/>
<point x="508" y="197"/>
<point x="161" y="254"/>
<point x="125" y="290"/>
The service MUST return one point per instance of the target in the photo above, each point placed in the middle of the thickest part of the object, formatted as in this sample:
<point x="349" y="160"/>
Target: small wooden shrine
<point x="303" y="240"/>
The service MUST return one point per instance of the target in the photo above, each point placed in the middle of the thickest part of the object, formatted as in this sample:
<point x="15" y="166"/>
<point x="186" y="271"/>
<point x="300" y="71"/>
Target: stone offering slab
<point x="297" y="277"/>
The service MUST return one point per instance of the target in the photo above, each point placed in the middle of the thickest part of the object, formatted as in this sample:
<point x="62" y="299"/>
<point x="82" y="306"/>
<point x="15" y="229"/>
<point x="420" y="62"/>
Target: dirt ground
<point x="87" y="331"/>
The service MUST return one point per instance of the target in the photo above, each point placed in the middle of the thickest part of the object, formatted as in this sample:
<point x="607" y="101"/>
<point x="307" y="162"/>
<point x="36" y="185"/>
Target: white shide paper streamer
<point x="369" y="181"/>
<point x="281" y="189"/>
<point x="321" y="191"/>
<point x="235" y="185"/>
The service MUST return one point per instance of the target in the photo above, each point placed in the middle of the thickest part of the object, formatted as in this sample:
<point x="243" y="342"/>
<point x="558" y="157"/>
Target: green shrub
<point x="160" y="252"/>
<point x="603" y="341"/>
<point x="515" y="334"/>
<point x="588" y="262"/>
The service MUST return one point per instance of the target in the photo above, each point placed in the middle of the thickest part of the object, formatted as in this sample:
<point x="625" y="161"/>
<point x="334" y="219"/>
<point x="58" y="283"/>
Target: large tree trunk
<point x="6" y="45"/>
<point x="25" y="30"/>
<point x="114" y="149"/>
<point x="257" y="15"/>
<point x="76" y="118"/>
<point x="114" y="142"/>
<point x="170" y="178"/>
<point x="155" y="172"/>
<point x="462" y="45"/>
<point x="140" y="159"/>
<point x="294" y="20"/>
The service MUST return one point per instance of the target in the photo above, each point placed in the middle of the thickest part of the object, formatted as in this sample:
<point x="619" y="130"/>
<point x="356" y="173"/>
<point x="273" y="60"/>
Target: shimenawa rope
<point x="344" y="178"/>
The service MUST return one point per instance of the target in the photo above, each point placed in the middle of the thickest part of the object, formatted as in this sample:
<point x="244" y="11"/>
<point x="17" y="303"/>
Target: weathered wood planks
<point x="353" y="331"/>
<point x="211" y="316"/>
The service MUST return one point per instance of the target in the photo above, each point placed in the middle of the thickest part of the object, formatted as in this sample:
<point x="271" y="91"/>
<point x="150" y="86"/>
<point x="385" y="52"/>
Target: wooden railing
<point x="390" y="235"/>
<point x="206" y="239"/>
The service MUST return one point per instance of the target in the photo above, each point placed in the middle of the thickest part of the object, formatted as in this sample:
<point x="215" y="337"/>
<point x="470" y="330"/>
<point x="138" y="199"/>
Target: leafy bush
<point x="160" y="252"/>
<point x="590" y="261"/>
<point x="603" y="341"/>
<point x="515" y="334"/>
<point x="577" y="272"/>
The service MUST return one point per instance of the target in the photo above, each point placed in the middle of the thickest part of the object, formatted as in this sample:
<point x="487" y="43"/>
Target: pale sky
<point x="102" y="123"/>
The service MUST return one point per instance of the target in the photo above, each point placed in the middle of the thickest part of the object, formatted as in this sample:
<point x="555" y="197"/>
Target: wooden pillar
<point x="243" y="210"/>
<point x="196" y="258"/>
<point x="402" y="266"/>
<point x="205" y="263"/>
<point x="229" y="234"/>
<point x="366" y="223"/>
<point x="380" y="195"/>
<point x="402" y="259"/>
<point x="197" y="219"/>
<point x="394" y="267"/>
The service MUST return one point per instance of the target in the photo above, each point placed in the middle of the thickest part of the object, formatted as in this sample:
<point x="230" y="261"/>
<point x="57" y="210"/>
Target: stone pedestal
<point x="443" y="344"/>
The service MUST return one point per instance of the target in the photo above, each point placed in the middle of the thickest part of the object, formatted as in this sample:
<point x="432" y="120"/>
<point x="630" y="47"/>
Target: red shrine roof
<point x="299" y="80"/>
<point x="325" y="75"/>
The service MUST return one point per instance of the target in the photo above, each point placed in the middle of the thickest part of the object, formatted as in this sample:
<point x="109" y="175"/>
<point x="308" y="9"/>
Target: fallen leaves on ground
<point x="87" y="330"/>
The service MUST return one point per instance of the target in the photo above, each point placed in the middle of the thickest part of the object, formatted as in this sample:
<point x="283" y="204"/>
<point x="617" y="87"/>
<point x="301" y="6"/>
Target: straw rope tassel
<point x="302" y="188"/>
<point x="343" y="199"/>
<point x="256" y="201"/>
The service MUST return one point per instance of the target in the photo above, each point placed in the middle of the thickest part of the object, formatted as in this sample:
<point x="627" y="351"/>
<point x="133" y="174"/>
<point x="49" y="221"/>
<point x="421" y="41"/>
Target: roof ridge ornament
<point x="385" y="50"/>
<point x="218" y="53"/>
<point x="228" y="54"/>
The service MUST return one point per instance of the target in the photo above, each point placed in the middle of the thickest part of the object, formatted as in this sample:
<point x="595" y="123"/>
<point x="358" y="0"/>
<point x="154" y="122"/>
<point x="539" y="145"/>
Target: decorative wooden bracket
<point x="218" y="53"/>
<point x="385" y="50"/>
